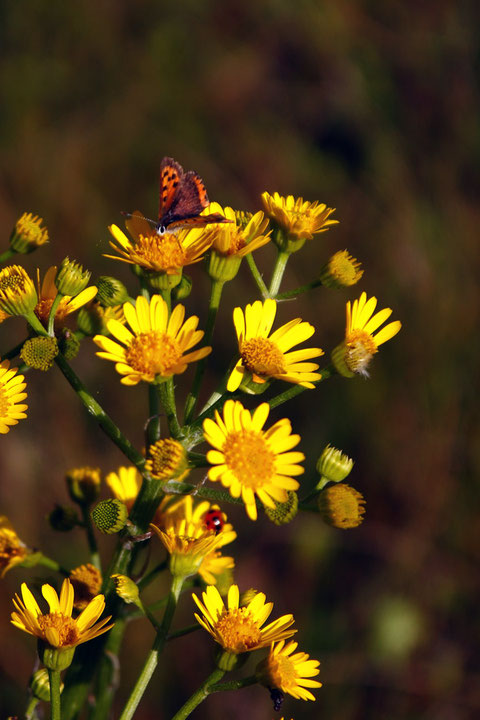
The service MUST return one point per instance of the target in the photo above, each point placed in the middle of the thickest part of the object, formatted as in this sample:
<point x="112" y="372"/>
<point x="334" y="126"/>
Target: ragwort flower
<point x="299" y="219"/>
<point x="47" y="292"/>
<point x="240" y="629"/>
<point x="11" y="395"/>
<point x="288" y="671"/>
<point x="251" y="461"/>
<point x="156" y="346"/>
<point x="12" y="550"/>
<point x="264" y="356"/>
<point x="28" y="233"/>
<point x="361" y="343"/>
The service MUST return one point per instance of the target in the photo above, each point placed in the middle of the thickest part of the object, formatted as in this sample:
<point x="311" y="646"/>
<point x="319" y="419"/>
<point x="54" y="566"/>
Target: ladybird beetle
<point x="213" y="520"/>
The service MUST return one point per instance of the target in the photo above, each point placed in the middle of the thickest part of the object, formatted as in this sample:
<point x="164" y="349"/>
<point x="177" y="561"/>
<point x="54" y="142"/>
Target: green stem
<point x="192" y="399"/>
<point x="167" y="397"/>
<point x="107" y="675"/>
<point x="234" y="684"/>
<point x="91" y="539"/>
<point x="52" y="313"/>
<point x="153" y="430"/>
<point x="52" y="564"/>
<point x="7" y="254"/>
<point x="299" y="291"/>
<point x="256" y="275"/>
<point x="147" y="579"/>
<point x="10" y="354"/>
<point x="30" y="713"/>
<point x="152" y="659"/>
<point x="200" y="695"/>
<point x="167" y="296"/>
<point x="55" y="712"/>
<point x="184" y="631"/>
<point x="278" y="271"/>
<point x="292" y="392"/>
<point x="94" y="409"/>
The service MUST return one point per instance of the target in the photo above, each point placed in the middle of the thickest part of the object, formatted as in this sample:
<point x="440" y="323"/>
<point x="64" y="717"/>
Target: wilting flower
<point x="86" y="581"/>
<point x="12" y="549"/>
<point x="167" y="253"/>
<point x="301" y="220"/>
<point x="11" y="395"/>
<point x="47" y="292"/>
<point x="263" y="357"/>
<point x="342" y="506"/>
<point x="57" y="627"/>
<point x="289" y="671"/>
<point x="250" y="461"/>
<point x="354" y="354"/>
<point x="156" y="346"/>
<point x="240" y="629"/>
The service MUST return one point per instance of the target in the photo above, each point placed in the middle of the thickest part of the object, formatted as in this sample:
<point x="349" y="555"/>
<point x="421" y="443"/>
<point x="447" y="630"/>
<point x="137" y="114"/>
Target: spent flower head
<point x="264" y="356"/>
<point x="342" y="506"/>
<point x="28" y="234"/>
<point x="87" y="582"/>
<point x="157" y="345"/>
<point x="249" y="460"/>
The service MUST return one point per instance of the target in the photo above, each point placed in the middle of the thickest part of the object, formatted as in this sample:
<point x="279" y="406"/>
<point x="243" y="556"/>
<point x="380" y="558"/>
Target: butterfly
<point x="183" y="196"/>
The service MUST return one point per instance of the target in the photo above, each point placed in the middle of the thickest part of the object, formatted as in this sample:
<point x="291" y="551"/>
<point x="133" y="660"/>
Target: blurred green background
<point x="373" y="109"/>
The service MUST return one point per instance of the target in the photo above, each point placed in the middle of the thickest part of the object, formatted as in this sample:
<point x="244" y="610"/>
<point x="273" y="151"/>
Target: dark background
<point x="371" y="108"/>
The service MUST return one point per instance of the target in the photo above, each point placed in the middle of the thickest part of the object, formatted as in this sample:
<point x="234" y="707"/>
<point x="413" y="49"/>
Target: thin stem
<point x="152" y="659"/>
<point x="91" y="539"/>
<point x="200" y="695"/>
<point x="54" y="677"/>
<point x="107" y="675"/>
<point x="14" y="351"/>
<point x="256" y="275"/>
<point x="184" y="631"/>
<point x="53" y="310"/>
<point x="147" y="579"/>
<point x="153" y="429"/>
<point x="292" y="392"/>
<point x="167" y="397"/>
<point x="299" y="291"/>
<point x="7" y="254"/>
<point x="52" y="564"/>
<point x="234" y="684"/>
<point x="167" y="296"/>
<point x="94" y="409"/>
<point x="278" y="271"/>
<point x="214" y="303"/>
<point x="30" y="713"/>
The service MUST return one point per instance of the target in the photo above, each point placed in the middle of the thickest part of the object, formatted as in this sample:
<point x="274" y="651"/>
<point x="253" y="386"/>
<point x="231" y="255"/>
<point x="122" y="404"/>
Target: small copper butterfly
<point x="183" y="196"/>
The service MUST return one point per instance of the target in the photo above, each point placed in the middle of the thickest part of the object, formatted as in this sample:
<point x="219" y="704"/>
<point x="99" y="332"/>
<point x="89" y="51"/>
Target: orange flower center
<point x="237" y="631"/>
<point x="250" y="459"/>
<point x="43" y="307"/>
<point x="261" y="356"/>
<point x="153" y="353"/>
<point x="159" y="252"/>
<point x="60" y="630"/>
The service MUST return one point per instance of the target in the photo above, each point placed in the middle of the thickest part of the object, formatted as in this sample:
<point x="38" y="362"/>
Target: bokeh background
<point x="373" y="109"/>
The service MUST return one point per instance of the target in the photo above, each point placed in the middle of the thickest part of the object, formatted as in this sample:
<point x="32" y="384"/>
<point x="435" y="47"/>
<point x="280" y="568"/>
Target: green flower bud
<point x="184" y="289"/>
<point x="111" y="291"/>
<point x="84" y="484"/>
<point x="333" y="466"/>
<point x="40" y="685"/>
<point x="71" y="278"/>
<point x="110" y="516"/>
<point x="68" y="343"/>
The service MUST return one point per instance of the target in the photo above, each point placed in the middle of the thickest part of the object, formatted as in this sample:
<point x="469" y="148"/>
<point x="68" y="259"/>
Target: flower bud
<point x="183" y="290"/>
<point x="71" y="278"/>
<point x="40" y="685"/>
<point x="111" y="291"/>
<point x="341" y="506"/>
<point x="39" y="352"/>
<point x="127" y="589"/>
<point x="84" y="484"/>
<point x="63" y="518"/>
<point x="285" y="512"/>
<point x="110" y="516"/>
<point x="342" y="270"/>
<point x="333" y="465"/>
<point x="68" y="343"/>
<point x="28" y="234"/>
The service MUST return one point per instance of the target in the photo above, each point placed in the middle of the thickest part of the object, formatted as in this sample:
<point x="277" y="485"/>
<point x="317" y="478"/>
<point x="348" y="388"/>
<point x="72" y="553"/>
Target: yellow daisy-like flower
<point x="11" y="395"/>
<point x="156" y="346"/>
<point x="214" y="566"/>
<point x="57" y="627"/>
<point x="354" y="354"/>
<point x="125" y="484"/>
<point x="241" y="629"/>
<point x="263" y="357"/>
<point x="236" y="238"/>
<point x="288" y="671"/>
<point x="28" y="233"/>
<point x="47" y="292"/>
<point x="250" y="461"/>
<point x="12" y="549"/>
<point x="167" y="253"/>
<point x="300" y="219"/>
<point x="17" y="291"/>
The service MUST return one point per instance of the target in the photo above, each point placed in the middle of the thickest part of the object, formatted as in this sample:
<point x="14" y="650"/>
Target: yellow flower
<point x="17" y="291"/>
<point x="57" y="627"/>
<point x="240" y="629"/>
<point x="300" y="219"/>
<point x="288" y="671"/>
<point x="11" y="395"/>
<point x="12" y="549"/>
<point x="125" y="484"/>
<point x="167" y="460"/>
<point x="28" y="233"/>
<point x="250" y="461"/>
<point x="155" y="345"/>
<point x="354" y="354"/>
<point x="167" y="253"/>
<point x="47" y="292"/>
<point x="236" y="238"/>
<point x="86" y="581"/>
<point x="342" y="270"/>
<point x="342" y="506"/>
<point x="263" y="357"/>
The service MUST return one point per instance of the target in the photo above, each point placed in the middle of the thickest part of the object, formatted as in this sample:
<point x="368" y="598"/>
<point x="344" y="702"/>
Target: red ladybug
<point x="213" y="520"/>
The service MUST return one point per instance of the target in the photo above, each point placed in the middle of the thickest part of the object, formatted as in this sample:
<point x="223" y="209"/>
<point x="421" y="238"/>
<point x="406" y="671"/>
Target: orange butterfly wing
<point x="171" y="176"/>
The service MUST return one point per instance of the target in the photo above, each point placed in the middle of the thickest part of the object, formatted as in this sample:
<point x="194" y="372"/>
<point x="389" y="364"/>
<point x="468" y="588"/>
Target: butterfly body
<point x="183" y="197"/>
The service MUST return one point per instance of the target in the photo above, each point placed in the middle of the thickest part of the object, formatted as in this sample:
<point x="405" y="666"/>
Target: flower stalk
<point x="200" y="695"/>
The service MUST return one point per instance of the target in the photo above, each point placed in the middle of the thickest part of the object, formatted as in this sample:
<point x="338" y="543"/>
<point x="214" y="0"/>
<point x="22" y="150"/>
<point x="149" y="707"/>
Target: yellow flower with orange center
<point x="236" y="238"/>
<point x="362" y="341"/>
<point x="47" y="292"/>
<point x="264" y="356"/>
<point x="167" y="253"/>
<point x="240" y="629"/>
<point x="12" y="387"/>
<point x="12" y="549"/>
<point x="57" y="627"/>
<point x="250" y="461"/>
<point x="289" y="671"/>
<point x="156" y="346"/>
<point x="300" y="219"/>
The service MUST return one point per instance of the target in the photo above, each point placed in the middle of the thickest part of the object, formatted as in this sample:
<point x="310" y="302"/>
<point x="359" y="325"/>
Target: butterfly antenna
<point x="129" y="216"/>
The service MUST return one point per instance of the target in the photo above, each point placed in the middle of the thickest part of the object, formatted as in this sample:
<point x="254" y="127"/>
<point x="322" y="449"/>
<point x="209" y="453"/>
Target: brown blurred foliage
<point x="372" y="108"/>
